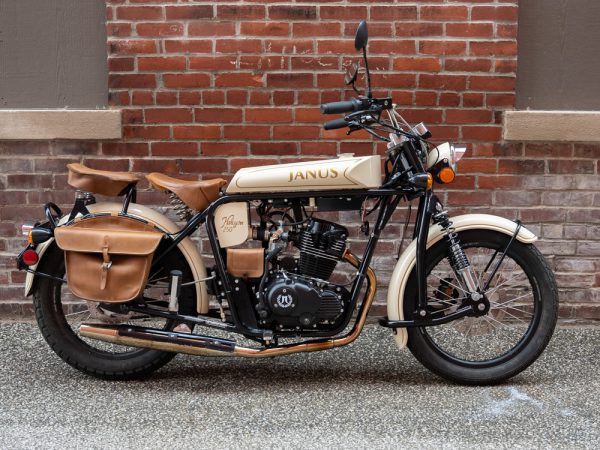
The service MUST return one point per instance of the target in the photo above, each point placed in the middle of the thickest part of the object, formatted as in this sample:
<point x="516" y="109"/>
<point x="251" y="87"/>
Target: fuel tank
<point x="345" y="172"/>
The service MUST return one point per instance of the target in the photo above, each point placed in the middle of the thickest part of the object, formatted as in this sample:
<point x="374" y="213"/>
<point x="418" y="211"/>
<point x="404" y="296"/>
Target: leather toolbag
<point x="107" y="257"/>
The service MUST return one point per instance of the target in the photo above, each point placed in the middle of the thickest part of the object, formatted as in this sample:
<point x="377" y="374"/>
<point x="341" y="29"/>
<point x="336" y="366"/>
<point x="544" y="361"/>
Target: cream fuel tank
<point x="345" y="172"/>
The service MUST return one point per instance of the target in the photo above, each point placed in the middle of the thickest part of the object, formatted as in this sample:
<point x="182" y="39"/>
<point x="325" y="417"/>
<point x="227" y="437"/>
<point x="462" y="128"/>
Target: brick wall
<point x="209" y="87"/>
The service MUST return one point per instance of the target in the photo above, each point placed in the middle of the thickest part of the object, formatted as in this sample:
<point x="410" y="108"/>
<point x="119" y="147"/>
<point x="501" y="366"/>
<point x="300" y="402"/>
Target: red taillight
<point x="30" y="258"/>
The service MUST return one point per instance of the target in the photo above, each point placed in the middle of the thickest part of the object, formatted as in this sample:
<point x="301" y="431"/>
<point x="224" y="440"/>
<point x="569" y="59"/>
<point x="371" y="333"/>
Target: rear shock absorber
<point x="458" y="258"/>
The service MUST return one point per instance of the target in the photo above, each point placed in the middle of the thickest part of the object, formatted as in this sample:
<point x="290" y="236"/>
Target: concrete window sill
<point x="50" y="124"/>
<point x="582" y="126"/>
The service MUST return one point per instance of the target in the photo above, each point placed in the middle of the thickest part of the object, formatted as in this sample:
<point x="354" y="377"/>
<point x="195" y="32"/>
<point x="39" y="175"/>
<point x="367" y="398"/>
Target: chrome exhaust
<point x="193" y="344"/>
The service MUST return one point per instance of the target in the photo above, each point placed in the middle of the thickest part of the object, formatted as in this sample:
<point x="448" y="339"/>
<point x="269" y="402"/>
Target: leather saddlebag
<point x="107" y="258"/>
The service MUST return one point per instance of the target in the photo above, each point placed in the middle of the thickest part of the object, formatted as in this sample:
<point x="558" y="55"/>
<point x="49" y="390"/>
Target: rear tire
<point x="511" y="336"/>
<point x="54" y="306"/>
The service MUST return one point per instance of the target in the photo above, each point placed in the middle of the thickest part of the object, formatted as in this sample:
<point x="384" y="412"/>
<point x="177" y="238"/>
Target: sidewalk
<point x="367" y="395"/>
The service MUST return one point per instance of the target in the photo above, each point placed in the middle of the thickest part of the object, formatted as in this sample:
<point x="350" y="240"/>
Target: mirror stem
<point x="369" y="93"/>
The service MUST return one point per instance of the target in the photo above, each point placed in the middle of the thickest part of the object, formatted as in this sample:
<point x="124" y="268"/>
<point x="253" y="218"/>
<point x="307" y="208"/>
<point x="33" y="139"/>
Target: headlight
<point x="441" y="161"/>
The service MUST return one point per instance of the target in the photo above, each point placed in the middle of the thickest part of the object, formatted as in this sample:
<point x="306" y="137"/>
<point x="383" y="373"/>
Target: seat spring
<point x="181" y="209"/>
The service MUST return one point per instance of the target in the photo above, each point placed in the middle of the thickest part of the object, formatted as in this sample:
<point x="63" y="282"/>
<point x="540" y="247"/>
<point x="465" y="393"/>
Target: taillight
<point x="30" y="257"/>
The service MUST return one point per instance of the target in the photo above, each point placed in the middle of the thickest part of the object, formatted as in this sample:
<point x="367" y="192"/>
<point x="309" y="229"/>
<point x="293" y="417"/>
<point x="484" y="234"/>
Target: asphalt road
<point x="367" y="395"/>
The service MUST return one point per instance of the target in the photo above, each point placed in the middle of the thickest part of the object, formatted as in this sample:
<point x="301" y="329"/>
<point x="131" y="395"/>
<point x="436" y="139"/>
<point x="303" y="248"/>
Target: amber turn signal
<point x="446" y="175"/>
<point x="429" y="181"/>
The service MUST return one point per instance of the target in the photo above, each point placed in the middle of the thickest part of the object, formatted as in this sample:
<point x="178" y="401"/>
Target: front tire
<point x="59" y="314"/>
<point x="494" y="347"/>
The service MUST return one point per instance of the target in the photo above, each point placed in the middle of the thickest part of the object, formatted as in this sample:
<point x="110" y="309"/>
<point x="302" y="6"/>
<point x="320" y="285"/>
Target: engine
<point x="297" y="294"/>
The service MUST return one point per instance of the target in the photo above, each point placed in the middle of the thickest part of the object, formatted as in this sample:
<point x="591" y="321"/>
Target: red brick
<point x="238" y="46"/>
<point x="482" y="133"/>
<point x="468" y="116"/>
<point x="443" y="47"/>
<point x="117" y="81"/>
<point x="421" y="29"/>
<point x="212" y="63"/>
<point x="121" y="64"/>
<point x="132" y="47"/>
<point x="241" y="79"/>
<point x="444" y="13"/>
<point x="417" y="64"/>
<point x="188" y="46"/>
<point x="194" y="12"/>
<point x="118" y="29"/>
<point x="240" y="12"/>
<point x="269" y="115"/>
<point x="247" y="132"/>
<point x="168" y="115"/>
<point x="139" y="13"/>
<point x="273" y="148"/>
<point x="204" y="28"/>
<point x="495" y="13"/>
<point x="499" y="48"/>
<point x="313" y="29"/>
<point x="197" y="132"/>
<point x="159" y="29"/>
<point x="446" y="82"/>
<point x="476" y="30"/>
<point x="186" y="80"/>
<point x="345" y="13"/>
<point x="223" y="149"/>
<point x="482" y="83"/>
<point x="290" y="80"/>
<point x="139" y="132"/>
<point x="171" y="63"/>
<point x="218" y="115"/>
<point x="265" y="29"/>
<point x="291" y="132"/>
<point x="392" y="13"/>
<point x="293" y="12"/>
<point x="174" y="148"/>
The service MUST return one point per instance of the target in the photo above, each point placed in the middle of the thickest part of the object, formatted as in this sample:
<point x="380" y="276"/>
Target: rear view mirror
<point x="362" y="36"/>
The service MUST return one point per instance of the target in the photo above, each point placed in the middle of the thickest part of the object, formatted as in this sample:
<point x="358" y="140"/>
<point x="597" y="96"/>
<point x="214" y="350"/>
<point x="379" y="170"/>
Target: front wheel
<point x="494" y="347"/>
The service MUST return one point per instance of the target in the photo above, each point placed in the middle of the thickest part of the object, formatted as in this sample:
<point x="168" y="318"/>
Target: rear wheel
<point x="59" y="314"/>
<point x="523" y="311"/>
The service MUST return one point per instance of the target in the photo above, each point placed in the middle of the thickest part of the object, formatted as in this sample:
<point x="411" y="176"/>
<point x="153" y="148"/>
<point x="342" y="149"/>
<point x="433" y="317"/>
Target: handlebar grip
<point x="335" y="124"/>
<point x="340" y="107"/>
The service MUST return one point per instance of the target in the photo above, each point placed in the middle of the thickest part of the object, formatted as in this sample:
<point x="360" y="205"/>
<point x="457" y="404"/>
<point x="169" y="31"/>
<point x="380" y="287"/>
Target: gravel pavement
<point x="366" y="395"/>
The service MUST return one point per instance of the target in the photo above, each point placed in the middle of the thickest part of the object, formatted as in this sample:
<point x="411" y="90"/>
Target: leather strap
<point x="106" y="264"/>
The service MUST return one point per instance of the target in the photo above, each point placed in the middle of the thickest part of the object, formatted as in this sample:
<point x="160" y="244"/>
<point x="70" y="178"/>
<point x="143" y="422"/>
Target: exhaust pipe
<point x="193" y="344"/>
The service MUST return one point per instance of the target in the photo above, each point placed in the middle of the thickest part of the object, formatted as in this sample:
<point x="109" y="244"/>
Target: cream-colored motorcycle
<point x="119" y="288"/>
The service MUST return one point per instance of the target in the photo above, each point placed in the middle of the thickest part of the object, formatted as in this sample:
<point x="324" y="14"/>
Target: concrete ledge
<point x="48" y="124"/>
<point x="582" y="126"/>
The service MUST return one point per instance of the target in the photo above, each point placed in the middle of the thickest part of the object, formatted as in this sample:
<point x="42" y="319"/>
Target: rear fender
<point x="186" y="246"/>
<point x="408" y="259"/>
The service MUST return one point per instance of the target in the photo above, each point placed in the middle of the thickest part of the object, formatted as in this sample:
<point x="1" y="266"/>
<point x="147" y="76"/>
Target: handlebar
<point x="347" y="106"/>
<point x="335" y="124"/>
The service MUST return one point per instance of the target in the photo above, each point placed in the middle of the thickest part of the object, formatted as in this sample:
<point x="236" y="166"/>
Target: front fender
<point x="408" y="259"/>
<point x="187" y="247"/>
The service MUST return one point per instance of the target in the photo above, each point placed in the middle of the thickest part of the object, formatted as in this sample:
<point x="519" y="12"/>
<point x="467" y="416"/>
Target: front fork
<point x="430" y="208"/>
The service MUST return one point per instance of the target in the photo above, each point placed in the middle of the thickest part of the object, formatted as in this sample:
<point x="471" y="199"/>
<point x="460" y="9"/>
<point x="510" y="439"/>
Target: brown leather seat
<point x="102" y="182"/>
<point x="195" y="194"/>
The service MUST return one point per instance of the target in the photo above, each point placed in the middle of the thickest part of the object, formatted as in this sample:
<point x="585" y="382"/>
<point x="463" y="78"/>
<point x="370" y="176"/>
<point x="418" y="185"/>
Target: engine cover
<point x="297" y="302"/>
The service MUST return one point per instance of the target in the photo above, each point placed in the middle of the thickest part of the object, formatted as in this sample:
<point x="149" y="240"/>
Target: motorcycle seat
<point x="104" y="182"/>
<point x="195" y="194"/>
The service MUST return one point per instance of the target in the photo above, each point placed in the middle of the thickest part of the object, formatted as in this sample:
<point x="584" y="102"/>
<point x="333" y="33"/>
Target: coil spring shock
<point x="181" y="209"/>
<point x="458" y="258"/>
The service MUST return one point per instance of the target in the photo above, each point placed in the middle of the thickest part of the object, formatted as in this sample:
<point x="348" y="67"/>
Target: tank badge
<point x="313" y="174"/>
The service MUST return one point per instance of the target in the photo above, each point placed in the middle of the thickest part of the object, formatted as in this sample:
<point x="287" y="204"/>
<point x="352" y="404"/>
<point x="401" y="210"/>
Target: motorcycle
<point x="118" y="288"/>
